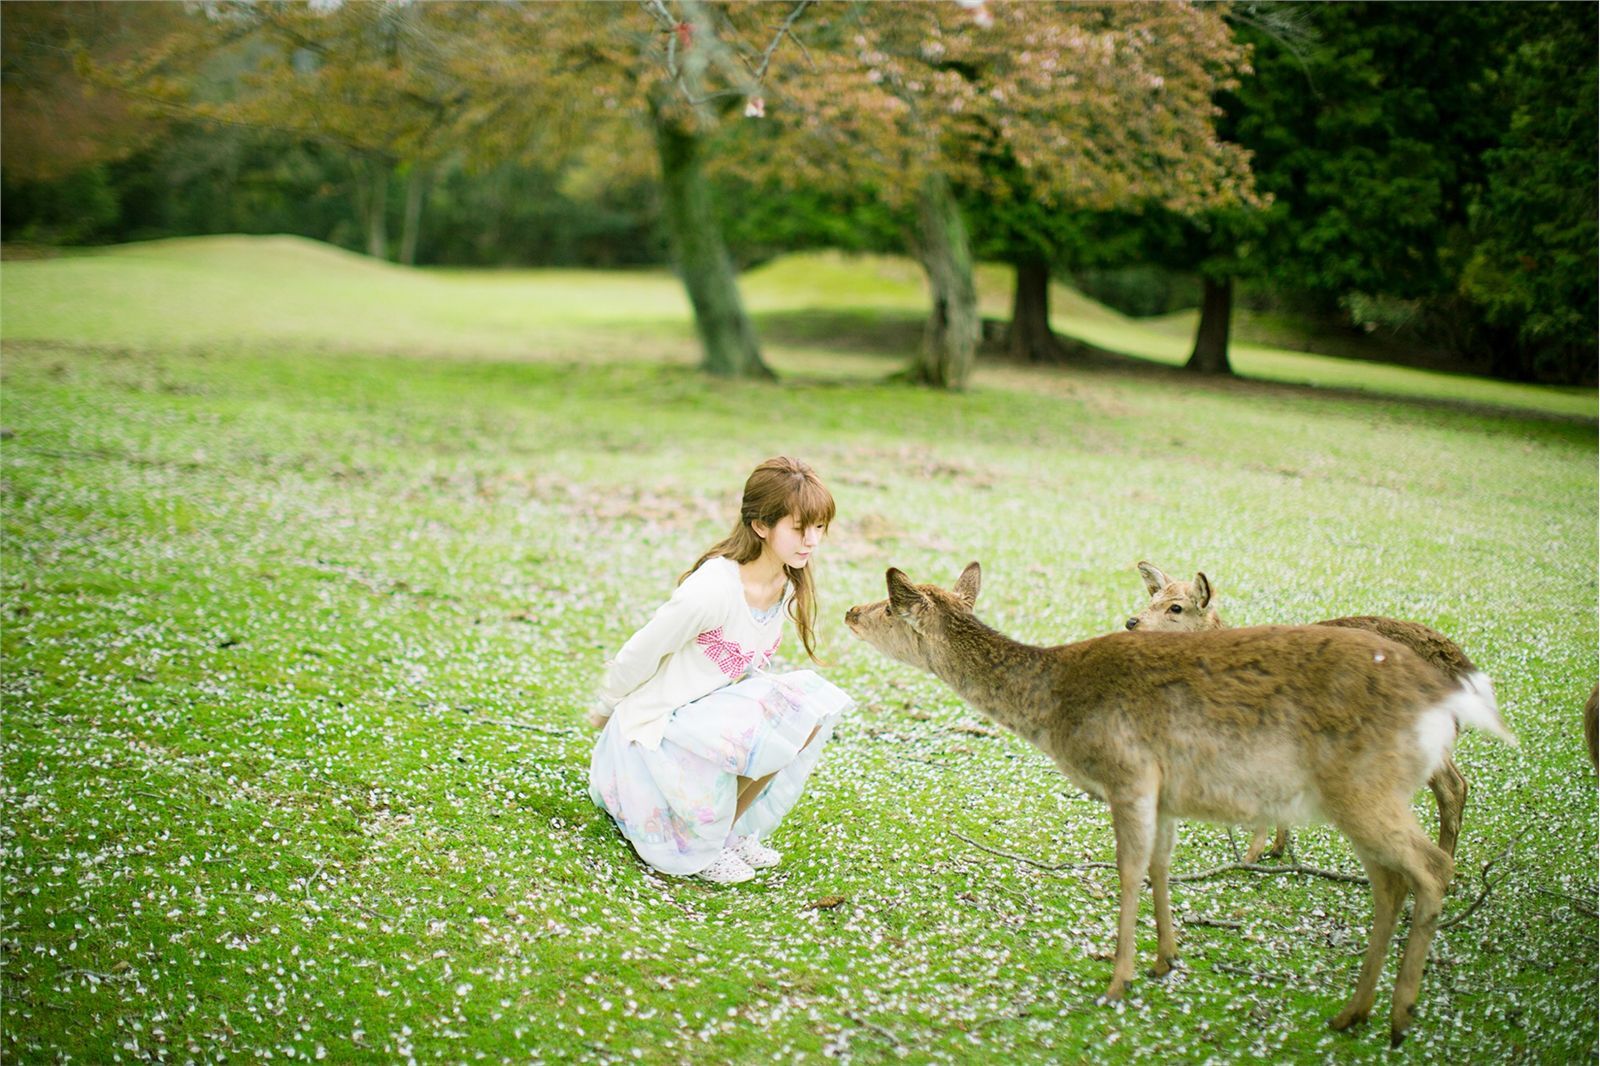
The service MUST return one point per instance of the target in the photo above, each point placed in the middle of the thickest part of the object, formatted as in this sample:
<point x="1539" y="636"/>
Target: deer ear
<point x="968" y="583"/>
<point x="905" y="599"/>
<point x="1154" y="580"/>
<point x="1202" y="590"/>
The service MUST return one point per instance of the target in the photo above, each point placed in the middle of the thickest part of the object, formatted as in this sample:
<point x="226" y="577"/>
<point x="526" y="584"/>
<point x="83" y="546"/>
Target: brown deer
<point x="1188" y="606"/>
<point x="1591" y="727"/>
<point x="1269" y="724"/>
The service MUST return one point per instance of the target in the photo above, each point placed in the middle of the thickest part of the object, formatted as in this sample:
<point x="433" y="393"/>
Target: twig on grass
<point x="1033" y="862"/>
<point x="563" y="730"/>
<point x="1483" y="893"/>
<point x="1261" y="868"/>
<point x="1582" y="906"/>
<point x="312" y="880"/>
<point x="1215" y="923"/>
<point x="875" y="1027"/>
<point x="1245" y="971"/>
<point x="915" y="758"/>
<point x="70" y="970"/>
<point x="1199" y="875"/>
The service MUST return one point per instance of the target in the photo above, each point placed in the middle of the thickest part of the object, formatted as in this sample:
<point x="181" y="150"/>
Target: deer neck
<point x="1009" y="681"/>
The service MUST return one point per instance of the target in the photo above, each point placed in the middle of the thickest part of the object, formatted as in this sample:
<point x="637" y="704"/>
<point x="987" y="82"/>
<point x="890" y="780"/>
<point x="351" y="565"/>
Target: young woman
<point x="702" y="752"/>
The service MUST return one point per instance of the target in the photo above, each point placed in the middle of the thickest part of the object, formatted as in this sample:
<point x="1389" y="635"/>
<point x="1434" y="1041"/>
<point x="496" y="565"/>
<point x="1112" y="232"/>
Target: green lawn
<point x="310" y="564"/>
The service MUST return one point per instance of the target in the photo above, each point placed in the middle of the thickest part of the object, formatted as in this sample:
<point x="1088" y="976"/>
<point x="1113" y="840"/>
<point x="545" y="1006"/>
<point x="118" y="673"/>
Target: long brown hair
<point x="777" y="489"/>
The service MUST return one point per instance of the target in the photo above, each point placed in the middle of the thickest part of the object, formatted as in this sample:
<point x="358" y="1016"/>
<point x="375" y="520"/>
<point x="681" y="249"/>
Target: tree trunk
<point x="1030" y="338"/>
<point x="416" y="196"/>
<point x="1210" y="355"/>
<point x="377" y="209"/>
<point x="726" y="334"/>
<point x="950" y="343"/>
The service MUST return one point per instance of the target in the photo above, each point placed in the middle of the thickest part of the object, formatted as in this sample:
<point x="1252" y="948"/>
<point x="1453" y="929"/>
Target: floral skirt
<point x="675" y="804"/>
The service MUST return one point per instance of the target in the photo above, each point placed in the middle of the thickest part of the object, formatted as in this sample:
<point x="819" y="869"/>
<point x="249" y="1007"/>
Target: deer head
<point x="910" y="623"/>
<point x="1178" y="606"/>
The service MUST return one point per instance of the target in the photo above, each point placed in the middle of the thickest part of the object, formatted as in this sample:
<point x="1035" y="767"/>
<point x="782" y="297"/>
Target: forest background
<point x="1418" y="176"/>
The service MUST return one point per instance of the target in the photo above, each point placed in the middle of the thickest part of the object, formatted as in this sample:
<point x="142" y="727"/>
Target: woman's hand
<point x="598" y="714"/>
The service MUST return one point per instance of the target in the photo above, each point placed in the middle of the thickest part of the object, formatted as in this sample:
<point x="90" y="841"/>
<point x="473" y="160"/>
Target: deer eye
<point x="1176" y="608"/>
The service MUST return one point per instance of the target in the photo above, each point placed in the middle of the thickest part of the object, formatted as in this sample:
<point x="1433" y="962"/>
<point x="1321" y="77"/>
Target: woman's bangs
<point x="812" y="504"/>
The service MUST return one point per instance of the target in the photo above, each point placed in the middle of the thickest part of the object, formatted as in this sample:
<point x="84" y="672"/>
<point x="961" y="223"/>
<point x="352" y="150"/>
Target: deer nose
<point x="1133" y="623"/>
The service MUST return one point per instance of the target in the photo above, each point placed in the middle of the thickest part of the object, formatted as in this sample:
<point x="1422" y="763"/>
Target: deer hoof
<point x="1398" y="1024"/>
<point x="1346" y="1018"/>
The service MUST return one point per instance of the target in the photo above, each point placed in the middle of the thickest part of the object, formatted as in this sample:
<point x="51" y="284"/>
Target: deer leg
<point x="1450" y="789"/>
<point x="1429" y="870"/>
<point x="1258" y="844"/>
<point x="1388" y="894"/>
<point x="1280" y="843"/>
<point x="1134" y="821"/>
<point x="1160" y="864"/>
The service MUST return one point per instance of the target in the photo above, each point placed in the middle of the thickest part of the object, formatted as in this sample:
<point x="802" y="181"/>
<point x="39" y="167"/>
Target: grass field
<point x="310" y="564"/>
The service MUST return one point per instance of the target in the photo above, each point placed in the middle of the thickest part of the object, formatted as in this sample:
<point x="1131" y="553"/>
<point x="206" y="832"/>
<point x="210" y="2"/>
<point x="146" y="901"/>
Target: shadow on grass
<point x="895" y="336"/>
<point x="864" y="332"/>
<point x="899" y="334"/>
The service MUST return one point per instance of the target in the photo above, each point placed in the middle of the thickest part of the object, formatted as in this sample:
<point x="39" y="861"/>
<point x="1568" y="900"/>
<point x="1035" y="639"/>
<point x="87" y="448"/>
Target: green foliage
<point x="1371" y="138"/>
<point x="1533" y="264"/>
<point x="1416" y="153"/>
<point x="78" y="209"/>
<point x="298" y="628"/>
<point x="526" y="216"/>
<point x="761" y="221"/>
<point x="1139" y="291"/>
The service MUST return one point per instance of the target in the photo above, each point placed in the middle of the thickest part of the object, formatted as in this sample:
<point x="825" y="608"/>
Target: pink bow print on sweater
<point x="728" y="656"/>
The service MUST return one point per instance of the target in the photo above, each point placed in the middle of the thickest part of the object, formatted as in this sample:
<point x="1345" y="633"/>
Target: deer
<point x="1591" y="727"/>
<point x="1188" y="606"/>
<point x="1287" y="724"/>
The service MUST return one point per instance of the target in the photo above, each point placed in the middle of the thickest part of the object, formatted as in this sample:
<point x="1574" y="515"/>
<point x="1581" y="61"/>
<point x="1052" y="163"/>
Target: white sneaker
<point x="727" y="869"/>
<point x="755" y="854"/>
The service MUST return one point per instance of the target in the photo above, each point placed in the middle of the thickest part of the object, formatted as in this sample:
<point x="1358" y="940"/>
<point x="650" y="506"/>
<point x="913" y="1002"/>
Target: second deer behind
<point x="1178" y="606"/>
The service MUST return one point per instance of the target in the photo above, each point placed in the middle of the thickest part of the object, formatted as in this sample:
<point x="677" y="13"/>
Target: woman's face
<point x="789" y="540"/>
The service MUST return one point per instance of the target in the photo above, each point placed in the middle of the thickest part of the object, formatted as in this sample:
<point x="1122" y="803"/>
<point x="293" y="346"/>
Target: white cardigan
<point x="706" y="636"/>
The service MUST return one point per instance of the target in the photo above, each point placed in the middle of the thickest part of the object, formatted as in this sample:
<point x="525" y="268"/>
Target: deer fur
<point x="1591" y="727"/>
<point x="1190" y="606"/>
<point x="1274" y="723"/>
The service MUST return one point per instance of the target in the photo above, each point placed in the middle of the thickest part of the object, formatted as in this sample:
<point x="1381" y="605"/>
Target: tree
<point x="409" y="86"/>
<point x="1099" y="105"/>
<point x="571" y="77"/>
<point x="574" y="77"/>
<point x="53" y="121"/>
<point x="1532" y="270"/>
<point x="1374" y="128"/>
<point x="367" y="79"/>
<point x="61" y="133"/>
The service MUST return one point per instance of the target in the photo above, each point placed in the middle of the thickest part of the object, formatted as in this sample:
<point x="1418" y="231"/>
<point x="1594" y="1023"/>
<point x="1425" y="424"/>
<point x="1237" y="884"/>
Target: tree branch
<point x="1483" y="893"/>
<point x="772" y="46"/>
<point x="717" y="52"/>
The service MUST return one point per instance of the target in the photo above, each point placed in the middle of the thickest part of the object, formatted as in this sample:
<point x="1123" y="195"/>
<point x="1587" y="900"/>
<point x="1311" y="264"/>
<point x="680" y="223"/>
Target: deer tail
<point x="1474" y="706"/>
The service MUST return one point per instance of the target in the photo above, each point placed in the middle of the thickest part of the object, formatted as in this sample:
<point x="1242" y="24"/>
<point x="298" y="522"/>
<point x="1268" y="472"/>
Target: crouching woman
<point x="702" y="751"/>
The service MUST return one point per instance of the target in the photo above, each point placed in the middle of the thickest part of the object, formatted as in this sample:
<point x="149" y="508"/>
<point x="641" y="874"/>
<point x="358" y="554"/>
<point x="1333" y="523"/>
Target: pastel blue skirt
<point x="675" y="804"/>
